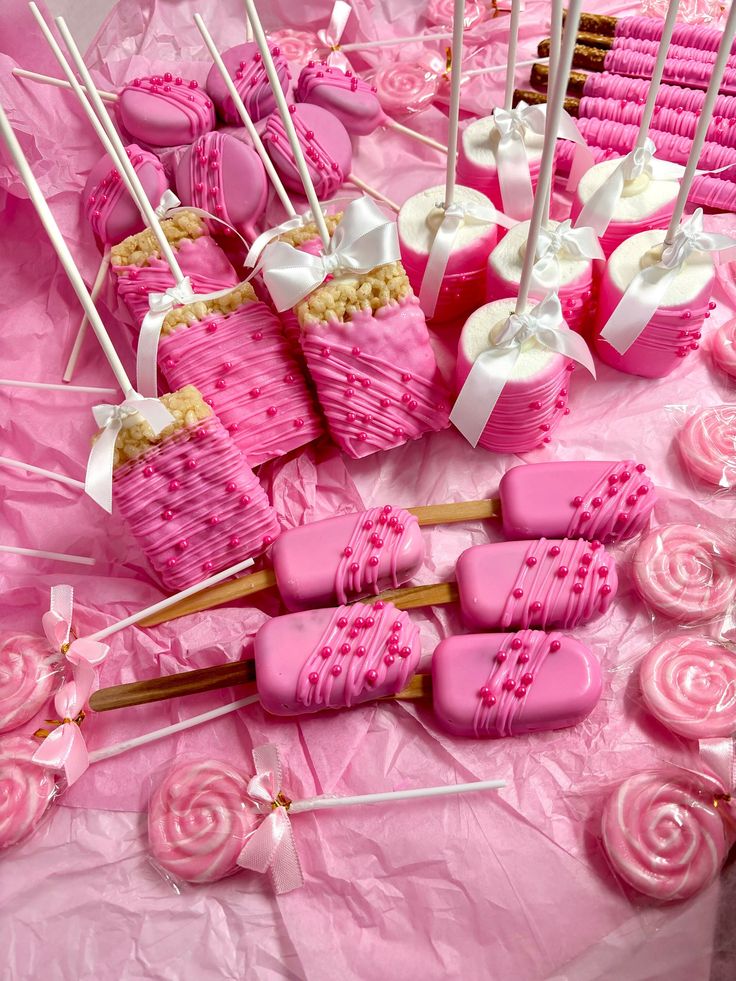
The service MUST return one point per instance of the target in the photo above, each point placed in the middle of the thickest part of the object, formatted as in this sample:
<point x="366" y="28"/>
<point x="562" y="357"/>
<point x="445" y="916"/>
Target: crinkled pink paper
<point x="509" y="885"/>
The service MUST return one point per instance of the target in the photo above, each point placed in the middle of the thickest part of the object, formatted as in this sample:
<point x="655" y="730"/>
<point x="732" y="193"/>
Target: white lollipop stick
<point x="59" y="83"/>
<point x="62" y="478"/>
<point x="458" y="17"/>
<point x="552" y="125"/>
<point x="49" y="386"/>
<point x="37" y="553"/>
<point x="367" y="189"/>
<point x="492" y="69"/>
<point x="508" y="98"/>
<point x="555" y="29"/>
<point x="62" y="250"/>
<point x="140" y="195"/>
<point x="706" y="115"/>
<point x="391" y="42"/>
<point x="322" y="803"/>
<point x="260" y="149"/>
<point x="420" y="137"/>
<point x="658" y="72"/>
<point x="164" y="604"/>
<point x="82" y="329"/>
<point x="301" y="163"/>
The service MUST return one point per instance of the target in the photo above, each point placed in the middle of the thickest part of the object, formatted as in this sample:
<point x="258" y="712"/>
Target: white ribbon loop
<point x="648" y="288"/>
<point x="331" y="35"/>
<point x="493" y="368"/>
<point x="169" y="202"/>
<point x="577" y="243"/>
<point x="111" y="419"/>
<point x="364" y="239"/>
<point x="453" y="220"/>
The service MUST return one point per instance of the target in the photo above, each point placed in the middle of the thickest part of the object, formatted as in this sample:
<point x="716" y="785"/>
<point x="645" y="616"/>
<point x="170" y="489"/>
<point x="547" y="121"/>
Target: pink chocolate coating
<point x="221" y="174"/>
<point x="544" y="583"/>
<point x="350" y="98"/>
<point x="198" y="820"/>
<point x="689" y="684"/>
<point x="110" y="209"/>
<point x="194" y="506"/>
<point x="723" y="348"/>
<point x="577" y="499"/>
<point x="332" y="659"/>
<point x="243" y="366"/>
<point x="707" y="445"/>
<point x="326" y="145"/>
<point x="245" y="67"/>
<point x="685" y="572"/>
<point x="376" y="378"/>
<point x="27" y="678"/>
<point x="164" y="110"/>
<point x="346" y="557"/>
<point x="663" y="835"/>
<point x="619" y="231"/>
<point x="493" y="685"/>
<point x="26" y="789"/>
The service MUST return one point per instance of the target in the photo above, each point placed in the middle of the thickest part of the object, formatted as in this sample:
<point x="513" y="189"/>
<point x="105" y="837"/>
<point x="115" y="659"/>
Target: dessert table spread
<point x="489" y="886"/>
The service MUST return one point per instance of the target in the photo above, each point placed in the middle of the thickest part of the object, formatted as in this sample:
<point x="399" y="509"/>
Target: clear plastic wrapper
<point x="26" y="790"/>
<point x="722" y="347"/>
<point x="29" y="672"/>
<point x="706" y="444"/>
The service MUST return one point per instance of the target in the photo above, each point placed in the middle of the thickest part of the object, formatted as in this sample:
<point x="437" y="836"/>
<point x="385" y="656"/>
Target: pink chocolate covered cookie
<point x="326" y="145"/>
<point x="27" y="677"/>
<point x="165" y="110"/>
<point x="707" y="445"/>
<point x="110" y="209"/>
<point x="347" y="96"/>
<point x="245" y="67"/>
<point x="26" y="789"/>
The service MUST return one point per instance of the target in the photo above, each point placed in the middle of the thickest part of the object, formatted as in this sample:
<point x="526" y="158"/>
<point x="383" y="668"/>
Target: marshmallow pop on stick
<point x="656" y="290"/>
<point x="513" y="363"/>
<point x="446" y="233"/>
<point x="180" y="482"/>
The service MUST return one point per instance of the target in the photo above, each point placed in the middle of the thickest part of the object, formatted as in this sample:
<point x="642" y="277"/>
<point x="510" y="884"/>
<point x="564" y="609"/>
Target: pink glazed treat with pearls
<point x="495" y="685"/>
<point x="347" y="96"/>
<point x="165" y="110"/>
<point x="224" y="176"/>
<point x="26" y="789"/>
<point x="111" y="211"/>
<point x="326" y="145"/>
<point x="245" y="67"/>
<point x="333" y="659"/>
<point x="27" y="678"/>
<point x="543" y="583"/>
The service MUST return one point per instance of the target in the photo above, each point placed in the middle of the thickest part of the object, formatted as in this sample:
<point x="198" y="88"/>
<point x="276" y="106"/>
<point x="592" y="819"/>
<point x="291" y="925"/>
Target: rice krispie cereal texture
<point x="339" y="299"/>
<point x="192" y="313"/>
<point x="136" y="437"/>
<point x="298" y="236"/>
<point x="136" y="250"/>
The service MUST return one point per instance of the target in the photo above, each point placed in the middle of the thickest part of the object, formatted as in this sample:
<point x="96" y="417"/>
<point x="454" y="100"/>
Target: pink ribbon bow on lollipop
<point x="330" y="36"/>
<point x="271" y="846"/>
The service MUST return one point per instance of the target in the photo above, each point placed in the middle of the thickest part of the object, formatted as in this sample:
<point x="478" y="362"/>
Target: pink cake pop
<point x="221" y="174"/>
<point x="406" y="87"/>
<point x="198" y="820"/>
<point x="245" y="66"/>
<point x="326" y="145"/>
<point x="495" y="685"/>
<point x="689" y="684"/>
<point x="26" y="679"/>
<point x="164" y="110"/>
<point x="707" y="445"/>
<point x="686" y="573"/>
<point x="26" y="790"/>
<point x="663" y="834"/>
<point x="111" y="211"/>
<point x="723" y="348"/>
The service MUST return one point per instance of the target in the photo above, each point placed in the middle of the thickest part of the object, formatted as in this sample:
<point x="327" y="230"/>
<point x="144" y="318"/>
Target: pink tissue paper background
<point x="507" y="885"/>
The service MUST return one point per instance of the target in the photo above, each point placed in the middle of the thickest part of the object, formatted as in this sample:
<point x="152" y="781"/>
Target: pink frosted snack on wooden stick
<point x="26" y="790"/>
<point x="245" y="66"/>
<point x="165" y="110"/>
<point x="27" y="676"/>
<point x="707" y="445"/>
<point x="723" y="348"/>
<point x="496" y="685"/>
<point x="685" y="572"/>
<point x="335" y="658"/>
<point x="112" y="213"/>
<point x="689" y="683"/>
<point x="543" y="583"/>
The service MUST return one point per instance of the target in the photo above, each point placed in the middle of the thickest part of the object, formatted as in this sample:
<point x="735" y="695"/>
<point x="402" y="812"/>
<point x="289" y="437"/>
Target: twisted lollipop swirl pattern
<point x="26" y="790"/>
<point x="405" y="87"/>
<point x="26" y="679"/>
<point x="707" y="444"/>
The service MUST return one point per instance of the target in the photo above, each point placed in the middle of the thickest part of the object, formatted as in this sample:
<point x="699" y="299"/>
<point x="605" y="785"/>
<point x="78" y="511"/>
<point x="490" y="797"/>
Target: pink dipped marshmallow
<point x="335" y="658"/>
<point x="165" y="110"/>
<point x="707" y="445"/>
<point x="543" y="583"/>
<point x="26" y="789"/>
<point x="110" y="210"/>
<point x="27" y="678"/>
<point x="245" y="66"/>
<point x="495" y="685"/>
<point x="326" y="145"/>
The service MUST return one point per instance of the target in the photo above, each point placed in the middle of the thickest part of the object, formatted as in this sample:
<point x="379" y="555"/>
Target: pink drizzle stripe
<point x="323" y="168"/>
<point x="243" y="366"/>
<point x="377" y="533"/>
<point x="382" y="653"/>
<point x="253" y="87"/>
<point x="617" y="506"/>
<point x="170" y="496"/>
<point x="193" y="103"/>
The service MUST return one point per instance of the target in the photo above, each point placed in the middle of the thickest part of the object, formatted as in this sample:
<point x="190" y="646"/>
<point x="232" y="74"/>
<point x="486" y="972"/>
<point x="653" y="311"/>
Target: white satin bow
<point x="363" y="240"/>
<point x="331" y="35"/>
<point x="169" y="202"/>
<point x="649" y="287"/>
<point x="111" y="419"/>
<point x="578" y="243"/>
<point x="493" y="368"/>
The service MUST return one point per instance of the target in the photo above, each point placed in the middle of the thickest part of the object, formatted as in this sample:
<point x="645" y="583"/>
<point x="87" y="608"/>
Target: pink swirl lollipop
<point x="707" y="445"/>
<point x="686" y="573"/>
<point x="26" y="679"/>
<point x="298" y="47"/>
<point x="723" y="348"/>
<point x="406" y="87"/>
<point x="689" y="684"/>
<point x="198" y="819"/>
<point x="26" y="789"/>
<point x="663" y="834"/>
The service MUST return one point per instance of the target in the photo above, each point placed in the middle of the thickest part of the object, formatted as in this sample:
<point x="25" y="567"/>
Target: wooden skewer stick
<point x="235" y="589"/>
<point x="211" y="679"/>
